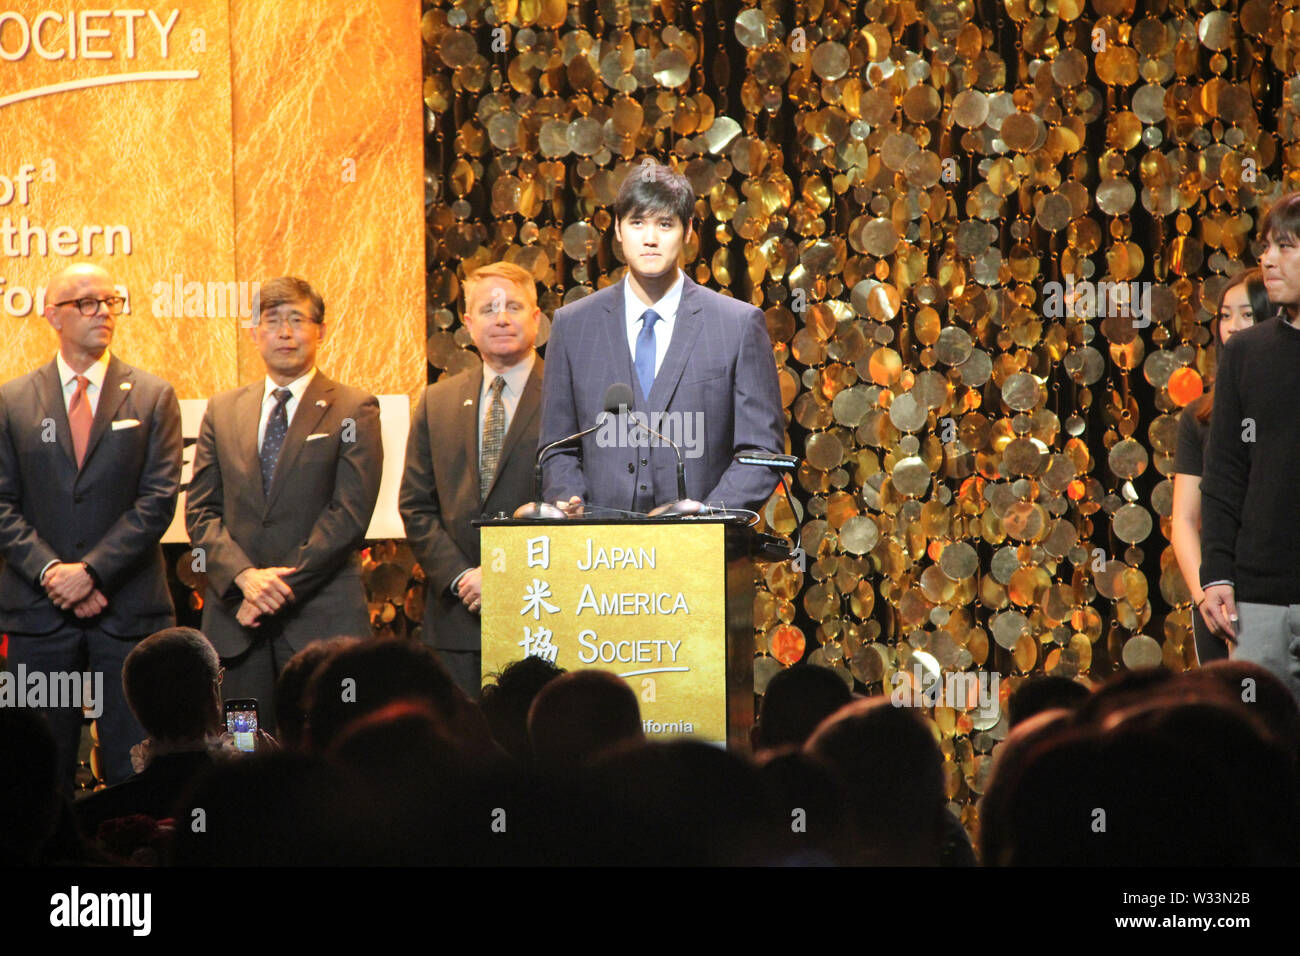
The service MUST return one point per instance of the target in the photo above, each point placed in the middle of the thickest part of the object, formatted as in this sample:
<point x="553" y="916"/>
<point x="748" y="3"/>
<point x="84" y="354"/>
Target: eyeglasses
<point x="90" y="305"/>
<point x="274" y="323"/>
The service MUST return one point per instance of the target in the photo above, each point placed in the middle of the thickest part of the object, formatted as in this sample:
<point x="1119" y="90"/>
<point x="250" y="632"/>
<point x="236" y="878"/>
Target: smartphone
<point x="241" y="722"/>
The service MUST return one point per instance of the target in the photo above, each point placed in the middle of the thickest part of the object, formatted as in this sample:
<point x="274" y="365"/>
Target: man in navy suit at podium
<point x="700" y="366"/>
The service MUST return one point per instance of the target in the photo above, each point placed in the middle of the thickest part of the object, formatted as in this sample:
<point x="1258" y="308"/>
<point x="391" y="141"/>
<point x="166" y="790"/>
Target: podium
<point x="666" y="604"/>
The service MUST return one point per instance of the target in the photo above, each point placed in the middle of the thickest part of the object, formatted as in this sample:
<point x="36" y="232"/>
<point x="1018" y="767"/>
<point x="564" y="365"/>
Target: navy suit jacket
<point x="111" y="513"/>
<point x="718" y="376"/>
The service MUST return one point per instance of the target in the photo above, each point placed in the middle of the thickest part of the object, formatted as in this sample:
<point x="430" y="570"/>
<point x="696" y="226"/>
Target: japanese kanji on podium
<point x="667" y="605"/>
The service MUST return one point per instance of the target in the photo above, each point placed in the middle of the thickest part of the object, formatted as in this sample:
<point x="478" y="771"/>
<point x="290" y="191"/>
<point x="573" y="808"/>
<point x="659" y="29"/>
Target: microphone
<point x="616" y="396"/>
<point x="767" y="459"/>
<point x="683" y="505"/>
<point x="767" y="545"/>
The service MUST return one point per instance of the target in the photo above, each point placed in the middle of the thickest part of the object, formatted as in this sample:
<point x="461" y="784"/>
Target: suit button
<point x="78" y="498"/>
<point x="631" y="469"/>
<point x="644" y="462"/>
<point x="82" y="544"/>
<point x="643" y="487"/>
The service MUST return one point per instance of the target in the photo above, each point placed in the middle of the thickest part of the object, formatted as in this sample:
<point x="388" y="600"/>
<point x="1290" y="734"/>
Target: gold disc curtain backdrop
<point x="986" y="237"/>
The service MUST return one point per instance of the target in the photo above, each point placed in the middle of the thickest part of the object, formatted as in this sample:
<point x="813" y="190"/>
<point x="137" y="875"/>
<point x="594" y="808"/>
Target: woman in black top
<point x="1243" y="301"/>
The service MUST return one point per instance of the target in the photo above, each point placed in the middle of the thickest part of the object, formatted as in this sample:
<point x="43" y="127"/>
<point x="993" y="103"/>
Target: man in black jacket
<point x="173" y="684"/>
<point x="1250" y="525"/>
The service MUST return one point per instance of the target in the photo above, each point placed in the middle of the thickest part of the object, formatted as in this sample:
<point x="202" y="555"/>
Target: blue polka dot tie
<point x="277" y="425"/>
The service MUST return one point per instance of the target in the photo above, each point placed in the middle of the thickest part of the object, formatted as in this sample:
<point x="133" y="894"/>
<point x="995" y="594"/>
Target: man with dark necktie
<point x="286" y="475"/>
<point x="700" y="365"/>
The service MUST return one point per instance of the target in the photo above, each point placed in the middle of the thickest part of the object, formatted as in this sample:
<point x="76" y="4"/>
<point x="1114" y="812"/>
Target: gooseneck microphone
<point x="616" y="396"/>
<point x="683" y="505"/>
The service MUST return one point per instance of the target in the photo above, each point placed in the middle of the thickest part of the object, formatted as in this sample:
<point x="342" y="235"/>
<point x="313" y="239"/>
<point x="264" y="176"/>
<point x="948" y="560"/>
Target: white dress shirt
<point x="297" y="387"/>
<point x="516" y="378"/>
<point x="68" y="379"/>
<point x="666" y="308"/>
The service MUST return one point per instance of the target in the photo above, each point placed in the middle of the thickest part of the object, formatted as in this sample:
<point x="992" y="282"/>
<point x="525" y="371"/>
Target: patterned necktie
<point x="644" y="360"/>
<point x="494" y="433"/>
<point x="277" y="425"/>
<point x="80" y="418"/>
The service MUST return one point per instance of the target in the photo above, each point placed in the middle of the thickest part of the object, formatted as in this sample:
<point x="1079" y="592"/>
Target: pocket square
<point x="125" y="423"/>
<point x="318" y="435"/>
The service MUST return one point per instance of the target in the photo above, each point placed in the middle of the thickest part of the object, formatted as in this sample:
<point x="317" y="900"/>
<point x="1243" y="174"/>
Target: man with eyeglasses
<point x="90" y="467"/>
<point x="286" y="475"/>
<point x="470" y="453"/>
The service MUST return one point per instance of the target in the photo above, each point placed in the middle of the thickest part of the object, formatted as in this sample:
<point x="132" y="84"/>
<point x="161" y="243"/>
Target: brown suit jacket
<point x="313" y="520"/>
<point x="440" y="492"/>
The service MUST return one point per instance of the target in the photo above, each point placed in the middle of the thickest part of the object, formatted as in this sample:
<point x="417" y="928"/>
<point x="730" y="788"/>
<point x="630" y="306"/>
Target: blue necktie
<point x="277" y="426"/>
<point x="645" y="352"/>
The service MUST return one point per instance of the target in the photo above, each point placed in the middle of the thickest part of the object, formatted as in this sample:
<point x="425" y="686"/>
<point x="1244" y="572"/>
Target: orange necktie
<point x="80" y="417"/>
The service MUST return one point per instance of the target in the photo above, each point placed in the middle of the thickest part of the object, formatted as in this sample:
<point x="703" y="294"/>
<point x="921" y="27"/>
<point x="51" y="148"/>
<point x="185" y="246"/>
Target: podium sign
<point x="645" y="600"/>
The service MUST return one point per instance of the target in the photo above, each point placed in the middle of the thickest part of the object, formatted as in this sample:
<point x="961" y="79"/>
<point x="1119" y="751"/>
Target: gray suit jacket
<point x="110" y="514"/>
<point x="440" y="492"/>
<point x="718" y="376"/>
<point x="313" y="520"/>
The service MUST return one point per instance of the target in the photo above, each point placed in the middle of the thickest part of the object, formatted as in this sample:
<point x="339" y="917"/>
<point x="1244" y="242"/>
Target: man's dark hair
<point x="580" y="715"/>
<point x="797" y="700"/>
<point x="382" y="670"/>
<point x="278" y="291"/>
<point x="168" y="679"/>
<point x="1283" y="219"/>
<point x="1125" y="689"/>
<point x="1237" y="793"/>
<point x="507" y="698"/>
<point x="291" y="687"/>
<point x="892" y="770"/>
<point x="1042" y="693"/>
<point x="650" y="188"/>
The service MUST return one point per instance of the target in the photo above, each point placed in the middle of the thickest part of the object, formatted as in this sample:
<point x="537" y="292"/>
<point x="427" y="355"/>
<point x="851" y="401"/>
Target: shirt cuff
<point x="40" y="578"/>
<point x="456" y="580"/>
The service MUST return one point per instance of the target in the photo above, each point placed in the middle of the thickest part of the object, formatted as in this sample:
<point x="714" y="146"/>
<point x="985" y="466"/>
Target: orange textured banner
<point x="195" y="149"/>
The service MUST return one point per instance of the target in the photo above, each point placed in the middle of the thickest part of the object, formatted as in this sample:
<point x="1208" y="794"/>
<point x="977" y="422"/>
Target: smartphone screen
<point x="241" y="723"/>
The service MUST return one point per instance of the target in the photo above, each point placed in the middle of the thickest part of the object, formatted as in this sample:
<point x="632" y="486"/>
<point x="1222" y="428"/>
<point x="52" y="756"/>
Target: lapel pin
<point x="125" y="386"/>
<point x="320" y="402"/>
